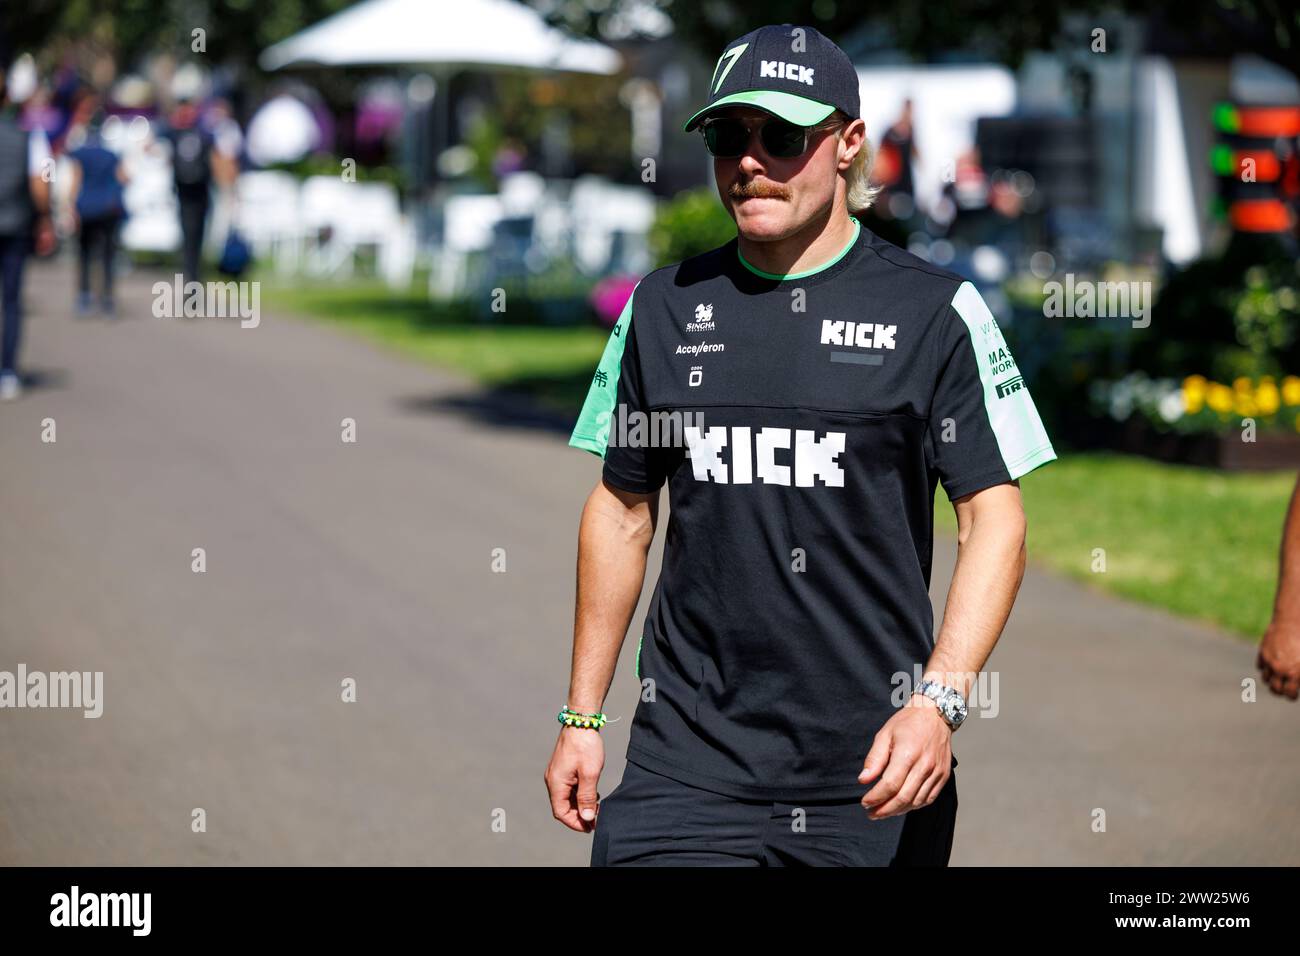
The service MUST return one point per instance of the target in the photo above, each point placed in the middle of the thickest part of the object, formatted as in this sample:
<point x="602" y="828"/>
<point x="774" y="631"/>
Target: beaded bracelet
<point x="571" y="718"/>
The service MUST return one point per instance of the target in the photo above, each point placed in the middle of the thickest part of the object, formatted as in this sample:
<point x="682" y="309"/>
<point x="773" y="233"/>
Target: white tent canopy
<point x="465" y="33"/>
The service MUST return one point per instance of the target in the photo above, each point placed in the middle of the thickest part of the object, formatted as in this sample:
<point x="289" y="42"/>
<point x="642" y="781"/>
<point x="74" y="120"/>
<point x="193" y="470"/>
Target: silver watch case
<point x="952" y="706"/>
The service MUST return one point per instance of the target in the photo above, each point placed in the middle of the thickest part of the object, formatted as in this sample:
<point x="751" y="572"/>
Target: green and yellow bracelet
<point x="571" y="718"/>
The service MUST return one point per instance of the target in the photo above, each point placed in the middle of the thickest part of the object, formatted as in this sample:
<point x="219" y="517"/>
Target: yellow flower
<point x="1193" y="400"/>
<point x="1241" y="383"/>
<point x="1291" y="390"/>
<point x="1219" y="397"/>
<point x="1245" y="405"/>
<point x="1268" y="399"/>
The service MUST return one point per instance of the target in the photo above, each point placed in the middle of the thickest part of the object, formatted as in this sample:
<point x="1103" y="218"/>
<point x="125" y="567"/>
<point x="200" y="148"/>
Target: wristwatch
<point x="952" y="706"/>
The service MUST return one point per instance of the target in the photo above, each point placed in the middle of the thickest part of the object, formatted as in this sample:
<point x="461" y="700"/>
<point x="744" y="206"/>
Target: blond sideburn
<point x="860" y="193"/>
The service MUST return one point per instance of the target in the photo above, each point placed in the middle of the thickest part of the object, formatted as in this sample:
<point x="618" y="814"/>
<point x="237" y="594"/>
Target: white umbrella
<point x="456" y="33"/>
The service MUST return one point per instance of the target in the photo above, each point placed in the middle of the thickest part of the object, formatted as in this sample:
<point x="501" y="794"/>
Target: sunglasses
<point x="727" y="137"/>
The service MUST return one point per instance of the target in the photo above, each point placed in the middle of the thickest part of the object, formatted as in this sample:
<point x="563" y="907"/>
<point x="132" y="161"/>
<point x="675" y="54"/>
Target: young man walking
<point x="800" y="390"/>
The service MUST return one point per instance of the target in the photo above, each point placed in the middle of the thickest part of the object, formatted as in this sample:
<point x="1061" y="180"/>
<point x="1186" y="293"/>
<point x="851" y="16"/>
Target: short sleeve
<point x="617" y="391"/>
<point x="984" y="428"/>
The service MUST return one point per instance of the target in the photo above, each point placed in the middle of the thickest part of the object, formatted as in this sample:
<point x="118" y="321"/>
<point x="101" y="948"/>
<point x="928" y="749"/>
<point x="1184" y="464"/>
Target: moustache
<point x="756" y="190"/>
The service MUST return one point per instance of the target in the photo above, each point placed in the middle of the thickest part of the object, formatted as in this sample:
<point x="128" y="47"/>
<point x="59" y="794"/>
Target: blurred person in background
<point x="199" y="159"/>
<point x="899" y="144"/>
<point x="227" y="137"/>
<point x="1279" y="652"/>
<point x="24" y="216"/>
<point x="97" y="180"/>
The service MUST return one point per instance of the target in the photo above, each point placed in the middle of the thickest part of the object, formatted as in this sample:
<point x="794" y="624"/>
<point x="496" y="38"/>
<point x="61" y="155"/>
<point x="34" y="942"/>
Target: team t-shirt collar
<point x="857" y="230"/>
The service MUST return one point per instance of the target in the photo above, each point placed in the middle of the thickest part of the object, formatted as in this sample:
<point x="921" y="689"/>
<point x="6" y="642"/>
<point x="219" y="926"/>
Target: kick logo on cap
<point x="791" y="71"/>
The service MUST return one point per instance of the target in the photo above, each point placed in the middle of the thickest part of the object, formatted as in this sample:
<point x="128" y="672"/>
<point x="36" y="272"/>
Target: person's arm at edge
<point x="38" y="185"/>
<point x="70" y="220"/>
<point x="912" y="753"/>
<point x="614" y="538"/>
<point x="1279" y="652"/>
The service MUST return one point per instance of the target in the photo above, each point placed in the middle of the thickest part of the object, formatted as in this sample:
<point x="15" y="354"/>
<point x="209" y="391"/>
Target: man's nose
<point x="750" y="160"/>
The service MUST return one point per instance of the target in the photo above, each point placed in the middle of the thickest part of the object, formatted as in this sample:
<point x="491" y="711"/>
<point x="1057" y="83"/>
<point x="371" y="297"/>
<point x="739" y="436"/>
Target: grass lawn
<point x="1199" y="543"/>
<point x="552" y="364"/>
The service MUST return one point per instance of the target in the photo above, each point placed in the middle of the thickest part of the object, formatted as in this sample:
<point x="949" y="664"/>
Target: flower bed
<point x="1250" y="424"/>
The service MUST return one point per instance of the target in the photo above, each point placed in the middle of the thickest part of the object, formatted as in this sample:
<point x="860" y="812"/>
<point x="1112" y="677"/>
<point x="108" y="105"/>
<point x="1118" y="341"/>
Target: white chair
<point x="397" y="255"/>
<point x="598" y="210"/>
<point x="324" y="205"/>
<point x="267" y="215"/>
<point x="522" y="193"/>
<point x="467" y="229"/>
<point x="374" y="219"/>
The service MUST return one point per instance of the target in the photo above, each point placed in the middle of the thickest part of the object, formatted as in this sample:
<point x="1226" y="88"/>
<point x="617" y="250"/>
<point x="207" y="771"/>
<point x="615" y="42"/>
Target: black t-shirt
<point x="801" y="424"/>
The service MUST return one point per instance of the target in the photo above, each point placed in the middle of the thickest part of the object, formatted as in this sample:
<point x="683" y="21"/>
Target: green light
<point x="1221" y="160"/>
<point x="1226" y="118"/>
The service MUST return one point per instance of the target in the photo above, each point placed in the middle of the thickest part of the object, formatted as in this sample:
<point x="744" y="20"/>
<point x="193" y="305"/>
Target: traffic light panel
<point x="1257" y="160"/>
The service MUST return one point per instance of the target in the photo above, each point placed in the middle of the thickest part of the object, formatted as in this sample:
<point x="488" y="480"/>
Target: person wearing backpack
<point x="197" y="161"/>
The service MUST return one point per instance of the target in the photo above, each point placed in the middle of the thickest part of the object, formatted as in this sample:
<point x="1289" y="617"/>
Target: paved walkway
<point x="373" y="561"/>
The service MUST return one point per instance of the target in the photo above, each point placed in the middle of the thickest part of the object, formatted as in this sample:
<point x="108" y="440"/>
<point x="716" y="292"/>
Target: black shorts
<point x="653" y="820"/>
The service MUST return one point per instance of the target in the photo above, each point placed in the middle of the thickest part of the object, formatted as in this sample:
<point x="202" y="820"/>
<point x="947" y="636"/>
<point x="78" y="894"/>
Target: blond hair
<point x="860" y="193"/>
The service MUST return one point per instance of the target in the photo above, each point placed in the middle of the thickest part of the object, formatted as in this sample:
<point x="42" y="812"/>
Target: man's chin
<point x="760" y="216"/>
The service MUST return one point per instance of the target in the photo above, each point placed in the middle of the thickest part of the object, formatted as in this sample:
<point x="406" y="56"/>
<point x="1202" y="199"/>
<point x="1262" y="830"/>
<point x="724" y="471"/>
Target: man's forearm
<point x="612" y="546"/>
<point x="1286" y="605"/>
<point x="990" y="567"/>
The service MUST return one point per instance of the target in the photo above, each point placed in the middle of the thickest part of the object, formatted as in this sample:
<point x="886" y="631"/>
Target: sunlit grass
<point x="1198" y="542"/>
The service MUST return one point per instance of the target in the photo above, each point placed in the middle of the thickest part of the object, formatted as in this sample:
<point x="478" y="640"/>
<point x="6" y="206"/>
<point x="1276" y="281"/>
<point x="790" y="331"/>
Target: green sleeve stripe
<point x="591" y="433"/>
<point x="1013" y="417"/>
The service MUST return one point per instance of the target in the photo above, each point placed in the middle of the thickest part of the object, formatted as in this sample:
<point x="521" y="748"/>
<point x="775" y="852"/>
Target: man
<point x="1278" y="659"/>
<point x="24" y="216"/>
<point x="198" y="159"/>
<point x="825" y="380"/>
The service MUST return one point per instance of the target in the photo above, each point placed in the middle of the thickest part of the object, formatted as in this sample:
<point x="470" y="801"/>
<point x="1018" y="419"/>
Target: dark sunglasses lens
<point x="782" y="139"/>
<point x="726" y="137"/>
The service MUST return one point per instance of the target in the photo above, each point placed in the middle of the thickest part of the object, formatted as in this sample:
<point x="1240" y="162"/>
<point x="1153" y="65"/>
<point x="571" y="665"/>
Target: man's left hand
<point x="912" y="755"/>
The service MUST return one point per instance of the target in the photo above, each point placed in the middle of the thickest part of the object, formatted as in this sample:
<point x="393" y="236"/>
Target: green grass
<point x="1200" y="543"/>
<point x="551" y="364"/>
<point x="1197" y="542"/>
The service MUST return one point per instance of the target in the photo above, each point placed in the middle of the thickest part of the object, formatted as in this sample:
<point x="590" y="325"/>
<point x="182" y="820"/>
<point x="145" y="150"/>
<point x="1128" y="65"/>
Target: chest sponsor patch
<point x="743" y="454"/>
<point x="862" y="335"/>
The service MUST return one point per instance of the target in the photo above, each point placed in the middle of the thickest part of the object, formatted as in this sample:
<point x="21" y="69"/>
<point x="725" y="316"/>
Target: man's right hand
<point x="572" y="775"/>
<point x="1278" y="658"/>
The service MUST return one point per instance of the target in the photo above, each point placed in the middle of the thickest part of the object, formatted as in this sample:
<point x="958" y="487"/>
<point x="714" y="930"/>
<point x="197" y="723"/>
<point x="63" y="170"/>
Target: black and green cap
<point x="794" y="72"/>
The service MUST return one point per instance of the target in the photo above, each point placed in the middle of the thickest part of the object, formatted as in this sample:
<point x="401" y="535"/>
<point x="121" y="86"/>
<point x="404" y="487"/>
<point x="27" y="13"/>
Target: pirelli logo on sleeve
<point x="1010" y="385"/>
<point x="1022" y="440"/>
